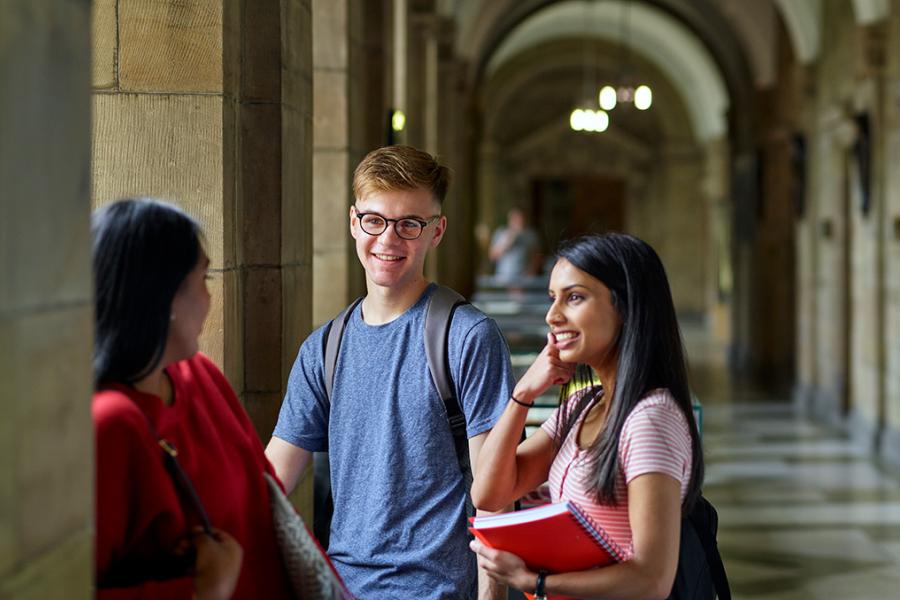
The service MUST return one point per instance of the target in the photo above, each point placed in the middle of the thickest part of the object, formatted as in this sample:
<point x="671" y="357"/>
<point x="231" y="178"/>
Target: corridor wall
<point x="849" y="338"/>
<point x="46" y="439"/>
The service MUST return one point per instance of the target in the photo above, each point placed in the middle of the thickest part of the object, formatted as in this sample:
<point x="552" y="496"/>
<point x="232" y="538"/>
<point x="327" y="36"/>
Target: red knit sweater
<point x="140" y="519"/>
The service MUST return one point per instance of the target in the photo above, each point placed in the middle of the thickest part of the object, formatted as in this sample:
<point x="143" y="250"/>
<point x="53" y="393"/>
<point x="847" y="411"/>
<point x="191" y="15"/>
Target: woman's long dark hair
<point x="650" y="351"/>
<point x="142" y="251"/>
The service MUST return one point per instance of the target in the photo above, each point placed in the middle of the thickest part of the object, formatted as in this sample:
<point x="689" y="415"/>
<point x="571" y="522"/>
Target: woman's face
<point x="582" y="317"/>
<point x="189" y="309"/>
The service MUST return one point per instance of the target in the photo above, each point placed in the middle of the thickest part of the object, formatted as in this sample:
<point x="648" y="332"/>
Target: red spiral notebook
<point x="559" y="538"/>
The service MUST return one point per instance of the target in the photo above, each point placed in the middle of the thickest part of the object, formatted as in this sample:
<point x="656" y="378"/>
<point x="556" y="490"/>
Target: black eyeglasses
<point x="408" y="228"/>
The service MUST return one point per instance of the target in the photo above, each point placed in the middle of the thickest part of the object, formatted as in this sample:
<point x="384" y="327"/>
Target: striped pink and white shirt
<point x="655" y="439"/>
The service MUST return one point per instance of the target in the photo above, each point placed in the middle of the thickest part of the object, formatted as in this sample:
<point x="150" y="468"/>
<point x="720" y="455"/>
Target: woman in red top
<point x="151" y="384"/>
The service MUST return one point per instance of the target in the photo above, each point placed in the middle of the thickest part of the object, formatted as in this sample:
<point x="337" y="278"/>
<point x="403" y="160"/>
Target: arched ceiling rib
<point x="754" y="23"/>
<point x="660" y="38"/>
<point x="483" y="26"/>
<point x="871" y="11"/>
<point x="804" y="25"/>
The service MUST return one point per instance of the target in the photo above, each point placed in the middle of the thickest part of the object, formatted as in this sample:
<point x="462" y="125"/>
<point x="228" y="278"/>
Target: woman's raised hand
<point x="548" y="369"/>
<point x="218" y="566"/>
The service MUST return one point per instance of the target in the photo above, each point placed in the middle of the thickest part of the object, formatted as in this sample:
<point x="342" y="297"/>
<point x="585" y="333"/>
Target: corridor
<point x="752" y="144"/>
<point x="804" y="512"/>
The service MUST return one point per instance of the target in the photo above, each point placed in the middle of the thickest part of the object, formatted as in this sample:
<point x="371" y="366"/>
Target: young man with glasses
<point x="399" y="526"/>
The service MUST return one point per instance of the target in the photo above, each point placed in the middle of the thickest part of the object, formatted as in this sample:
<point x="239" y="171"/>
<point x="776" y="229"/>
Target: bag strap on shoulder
<point x="438" y="316"/>
<point x="333" y="344"/>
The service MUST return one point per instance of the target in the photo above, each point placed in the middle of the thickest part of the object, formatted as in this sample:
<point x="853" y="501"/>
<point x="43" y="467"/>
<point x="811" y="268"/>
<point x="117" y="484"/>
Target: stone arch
<point x="658" y="37"/>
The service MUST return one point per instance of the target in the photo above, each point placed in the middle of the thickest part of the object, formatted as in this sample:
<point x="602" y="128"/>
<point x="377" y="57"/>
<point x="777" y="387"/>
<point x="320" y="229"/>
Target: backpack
<point x="438" y="315"/>
<point x="701" y="573"/>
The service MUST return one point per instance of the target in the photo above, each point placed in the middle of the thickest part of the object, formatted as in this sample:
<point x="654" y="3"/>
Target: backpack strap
<point x="333" y="344"/>
<point x="437" y="328"/>
<point x="706" y="521"/>
<point x="438" y="316"/>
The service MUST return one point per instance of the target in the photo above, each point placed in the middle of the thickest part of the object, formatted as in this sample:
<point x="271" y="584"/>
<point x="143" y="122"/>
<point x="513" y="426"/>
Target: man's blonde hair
<point x="400" y="168"/>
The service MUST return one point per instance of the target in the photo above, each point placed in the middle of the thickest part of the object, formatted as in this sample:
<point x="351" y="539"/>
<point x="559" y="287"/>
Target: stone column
<point x="890" y="227"/>
<point x="745" y="194"/>
<point x="46" y="309"/>
<point x="872" y="338"/>
<point x="332" y="169"/>
<point x="458" y="254"/>
<point x="208" y="104"/>
<point x="774" y="296"/>
<point x="718" y="263"/>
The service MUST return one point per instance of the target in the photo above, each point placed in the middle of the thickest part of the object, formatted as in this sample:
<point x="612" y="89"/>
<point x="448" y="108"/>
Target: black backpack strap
<point x="705" y="520"/>
<point x="333" y="344"/>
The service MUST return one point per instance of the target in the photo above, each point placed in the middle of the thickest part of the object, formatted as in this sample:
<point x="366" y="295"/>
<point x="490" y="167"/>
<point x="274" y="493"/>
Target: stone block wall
<point x="46" y="327"/>
<point x="342" y="104"/>
<point x="209" y="104"/>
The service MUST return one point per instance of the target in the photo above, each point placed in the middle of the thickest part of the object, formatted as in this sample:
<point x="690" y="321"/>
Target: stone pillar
<point x="684" y="237"/>
<point x="774" y="295"/>
<point x="890" y="227"/>
<point x="806" y="369"/>
<point x="832" y="234"/>
<point x="46" y="309"/>
<point x="718" y="285"/>
<point x="420" y="61"/>
<point x="332" y="168"/>
<point x="745" y="195"/>
<point x="208" y="104"/>
<point x="457" y="256"/>
<point x="871" y="338"/>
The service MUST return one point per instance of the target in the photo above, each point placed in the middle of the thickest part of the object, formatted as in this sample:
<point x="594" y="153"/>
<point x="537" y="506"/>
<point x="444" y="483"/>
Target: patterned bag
<point x="310" y="572"/>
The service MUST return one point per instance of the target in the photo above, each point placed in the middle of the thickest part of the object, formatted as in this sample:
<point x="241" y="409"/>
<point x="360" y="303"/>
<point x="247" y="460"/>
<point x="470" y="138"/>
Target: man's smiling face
<point x="388" y="259"/>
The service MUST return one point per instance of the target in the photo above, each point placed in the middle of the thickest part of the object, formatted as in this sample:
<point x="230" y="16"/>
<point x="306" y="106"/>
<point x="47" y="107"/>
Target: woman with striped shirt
<point x="625" y="448"/>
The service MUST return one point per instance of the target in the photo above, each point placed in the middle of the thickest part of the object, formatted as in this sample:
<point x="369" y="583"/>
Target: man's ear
<point x="439" y="228"/>
<point x="353" y="222"/>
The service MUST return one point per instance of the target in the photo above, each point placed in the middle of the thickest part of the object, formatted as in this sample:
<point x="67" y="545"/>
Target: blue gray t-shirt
<point x="399" y="528"/>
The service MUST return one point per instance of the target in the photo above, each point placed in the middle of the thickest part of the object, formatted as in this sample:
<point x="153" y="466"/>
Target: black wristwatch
<point x="539" y="593"/>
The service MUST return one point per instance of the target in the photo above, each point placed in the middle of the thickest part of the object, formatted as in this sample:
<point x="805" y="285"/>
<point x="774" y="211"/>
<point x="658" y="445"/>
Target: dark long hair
<point x="650" y="351"/>
<point x="142" y="251"/>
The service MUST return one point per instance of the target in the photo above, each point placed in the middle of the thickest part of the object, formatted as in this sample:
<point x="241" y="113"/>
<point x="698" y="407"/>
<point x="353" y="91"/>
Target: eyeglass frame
<point x="423" y="223"/>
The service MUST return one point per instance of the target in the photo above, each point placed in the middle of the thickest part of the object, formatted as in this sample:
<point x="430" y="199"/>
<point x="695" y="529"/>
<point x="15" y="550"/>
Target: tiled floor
<point x="804" y="513"/>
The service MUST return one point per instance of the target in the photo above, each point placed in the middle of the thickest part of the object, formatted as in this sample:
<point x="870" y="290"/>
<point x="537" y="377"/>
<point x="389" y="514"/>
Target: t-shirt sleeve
<point x="655" y="439"/>
<point x="483" y="376"/>
<point x="550" y="424"/>
<point x="303" y="419"/>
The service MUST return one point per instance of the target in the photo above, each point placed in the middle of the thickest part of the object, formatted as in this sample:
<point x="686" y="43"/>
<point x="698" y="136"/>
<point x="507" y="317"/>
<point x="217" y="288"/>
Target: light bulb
<point x="577" y="120"/>
<point x="607" y="97"/>
<point x="398" y="120"/>
<point x="643" y="97"/>
<point x="600" y="121"/>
